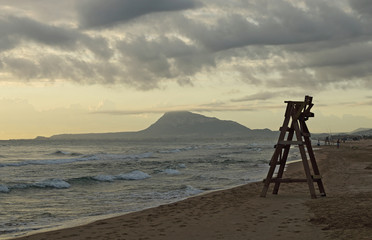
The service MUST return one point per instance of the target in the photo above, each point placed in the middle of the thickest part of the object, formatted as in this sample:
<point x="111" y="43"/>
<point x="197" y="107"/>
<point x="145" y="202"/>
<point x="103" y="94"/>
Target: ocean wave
<point x="182" y="165"/>
<point x="52" y="183"/>
<point x="46" y="183"/>
<point x="170" y="171"/>
<point x="63" y="184"/>
<point x="135" y="175"/>
<point x="104" y="178"/>
<point x="64" y="153"/>
<point x="4" y="189"/>
<point x="93" y="157"/>
<point x="190" y="190"/>
<point x="210" y="147"/>
<point x="177" y="150"/>
<point x="208" y="178"/>
<point x="183" y="191"/>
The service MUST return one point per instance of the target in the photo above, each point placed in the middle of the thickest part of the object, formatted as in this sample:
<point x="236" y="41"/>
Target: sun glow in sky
<point x="79" y="66"/>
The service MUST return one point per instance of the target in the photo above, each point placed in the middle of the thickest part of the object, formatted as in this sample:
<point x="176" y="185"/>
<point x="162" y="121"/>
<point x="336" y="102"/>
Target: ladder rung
<point x="287" y="180"/>
<point x="290" y="180"/>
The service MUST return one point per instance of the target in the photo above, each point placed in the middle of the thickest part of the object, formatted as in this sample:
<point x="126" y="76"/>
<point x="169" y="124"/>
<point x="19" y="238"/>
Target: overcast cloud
<point x="312" y="44"/>
<point x="98" y="13"/>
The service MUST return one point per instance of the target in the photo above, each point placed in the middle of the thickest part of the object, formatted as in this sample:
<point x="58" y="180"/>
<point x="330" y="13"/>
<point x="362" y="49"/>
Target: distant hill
<point x="360" y="130"/>
<point x="356" y="134"/>
<point x="192" y="124"/>
<point x="181" y="124"/>
<point x="363" y="131"/>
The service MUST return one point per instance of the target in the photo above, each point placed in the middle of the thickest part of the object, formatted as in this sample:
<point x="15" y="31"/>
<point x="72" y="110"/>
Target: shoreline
<point x="92" y="219"/>
<point x="239" y="212"/>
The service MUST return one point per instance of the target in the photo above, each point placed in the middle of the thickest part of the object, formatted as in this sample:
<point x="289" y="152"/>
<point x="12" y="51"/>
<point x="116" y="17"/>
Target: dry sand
<point x="239" y="213"/>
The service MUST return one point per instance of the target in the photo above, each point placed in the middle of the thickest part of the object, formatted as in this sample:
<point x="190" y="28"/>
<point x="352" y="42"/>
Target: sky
<point x="80" y="66"/>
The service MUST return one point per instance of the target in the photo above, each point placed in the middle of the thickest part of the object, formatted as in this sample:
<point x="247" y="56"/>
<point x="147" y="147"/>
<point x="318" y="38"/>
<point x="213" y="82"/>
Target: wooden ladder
<point x="296" y="115"/>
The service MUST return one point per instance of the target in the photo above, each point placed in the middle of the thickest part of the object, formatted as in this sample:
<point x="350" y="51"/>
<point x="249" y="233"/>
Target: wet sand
<point x="240" y="213"/>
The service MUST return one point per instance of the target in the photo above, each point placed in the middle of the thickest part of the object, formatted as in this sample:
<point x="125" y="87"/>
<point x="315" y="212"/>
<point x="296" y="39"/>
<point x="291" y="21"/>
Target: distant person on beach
<point x="338" y="143"/>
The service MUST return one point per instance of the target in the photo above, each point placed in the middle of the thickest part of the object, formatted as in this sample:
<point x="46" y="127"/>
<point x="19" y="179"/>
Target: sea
<point x="48" y="184"/>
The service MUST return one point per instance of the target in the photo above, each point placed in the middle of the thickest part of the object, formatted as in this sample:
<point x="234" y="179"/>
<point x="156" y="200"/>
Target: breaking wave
<point x="64" y="153"/>
<point x="62" y="184"/>
<point x="170" y="171"/>
<point x="93" y="157"/>
<point x="4" y="189"/>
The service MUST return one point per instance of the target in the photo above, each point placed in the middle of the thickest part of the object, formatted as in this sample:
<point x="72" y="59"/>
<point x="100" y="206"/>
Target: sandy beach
<point x="240" y="213"/>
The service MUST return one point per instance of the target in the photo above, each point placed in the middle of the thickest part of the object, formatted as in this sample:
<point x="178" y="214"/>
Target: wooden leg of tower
<point x="307" y="171"/>
<point x="315" y="166"/>
<point x="304" y="160"/>
<point x="312" y="159"/>
<point x="267" y="181"/>
<point x="271" y="171"/>
<point x="283" y="161"/>
<point x="278" y="150"/>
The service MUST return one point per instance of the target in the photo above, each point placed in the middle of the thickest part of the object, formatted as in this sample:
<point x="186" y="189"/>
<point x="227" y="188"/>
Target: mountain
<point x="363" y="131"/>
<point x="356" y="134"/>
<point x="192" y="124"/>
<point x="181" y="124"/>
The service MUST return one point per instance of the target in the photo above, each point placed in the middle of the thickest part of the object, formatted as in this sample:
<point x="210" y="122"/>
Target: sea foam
<point x="134" y="175"/>
<point x="4" y="189"/>
<point x="52" y="183"/>
<point x="104" y="178"/>
<point x="170" y="171"/>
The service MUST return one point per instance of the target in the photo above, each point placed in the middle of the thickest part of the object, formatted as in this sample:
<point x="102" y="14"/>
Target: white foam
<point x="170" y="151"/>
<point x="181" y="165"/>
<point x="21" y="186"/>
<point x="135" y="175"/>
<point x="190" y="190"/>
<point x="142" y="155"/>
<point x="4" y="189"/>
<point x="171" y="171"/>
<point x="182" y="192"/>
<point x="53" y="183"/>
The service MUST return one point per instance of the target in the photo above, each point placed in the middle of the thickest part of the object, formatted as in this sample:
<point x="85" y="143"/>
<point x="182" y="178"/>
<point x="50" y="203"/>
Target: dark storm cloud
<point x="267" y="43"/>
<point x="364" y="7"/>
<point x="97" y="13"/>
<point x="280" y="24"/>
<point x="21" y="27"/>
<point x="163" y="57"/>
<point x="16" y="29"/>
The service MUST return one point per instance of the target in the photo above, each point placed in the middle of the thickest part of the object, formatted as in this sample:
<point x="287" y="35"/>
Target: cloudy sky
<point x="77" y="66"/>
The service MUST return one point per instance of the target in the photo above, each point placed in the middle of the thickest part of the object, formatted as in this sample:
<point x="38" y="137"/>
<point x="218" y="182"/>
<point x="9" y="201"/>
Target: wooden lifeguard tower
<point x="296" y="115"/>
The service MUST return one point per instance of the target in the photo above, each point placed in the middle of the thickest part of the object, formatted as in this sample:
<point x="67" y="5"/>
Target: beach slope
<point x="239" y="213"/>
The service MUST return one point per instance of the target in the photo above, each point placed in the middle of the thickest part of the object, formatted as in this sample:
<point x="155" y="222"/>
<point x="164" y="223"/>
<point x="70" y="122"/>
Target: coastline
<point x="239" y="212"/>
